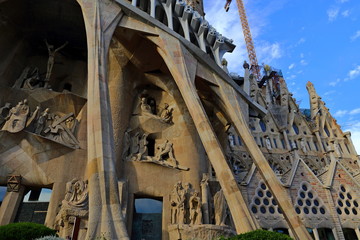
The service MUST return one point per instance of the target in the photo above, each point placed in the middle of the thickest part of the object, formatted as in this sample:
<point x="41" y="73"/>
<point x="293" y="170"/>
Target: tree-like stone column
<point x="105" y="218"/>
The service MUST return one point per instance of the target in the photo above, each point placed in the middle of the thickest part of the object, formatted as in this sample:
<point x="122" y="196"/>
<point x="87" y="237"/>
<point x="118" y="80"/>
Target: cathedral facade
<point x="126" y="113"/>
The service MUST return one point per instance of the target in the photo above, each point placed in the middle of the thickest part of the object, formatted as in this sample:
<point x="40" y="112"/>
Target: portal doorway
<point x="147" y="219"/>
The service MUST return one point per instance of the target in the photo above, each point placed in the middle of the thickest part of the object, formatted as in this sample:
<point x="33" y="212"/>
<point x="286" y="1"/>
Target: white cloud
<point x="340" y="113"/>
<point x="230" y="27"/>
<point x="334" y="83"/>
<point x="332" y="13"/>
<point x="302" y="55"/>
<point x="355" y="36"/>
<point x="268" y="52"/>
<point x="228" y="24"/>
<point x="329" y="93"/>
<point x="303" y="62"/>
<point x="342" y="1"/>
<point x="292" y="66"/>
<point x="290" y="78"/>
<point x="302" y="40"/>
<point x="345" y="13"/>
<point x="354" y="73"/>
<point x="355" y="111"/>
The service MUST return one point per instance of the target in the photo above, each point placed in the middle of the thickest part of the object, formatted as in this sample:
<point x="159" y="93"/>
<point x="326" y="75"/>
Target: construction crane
<point x="247" y="35"/>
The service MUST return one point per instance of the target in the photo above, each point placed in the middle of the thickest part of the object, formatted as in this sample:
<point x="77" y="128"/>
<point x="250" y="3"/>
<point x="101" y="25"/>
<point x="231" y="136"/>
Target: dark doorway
<point x="147" y="217"/>
<point x="281" y="230"/>
<point x="349" y="233"/>
<point x="326" y="234"/>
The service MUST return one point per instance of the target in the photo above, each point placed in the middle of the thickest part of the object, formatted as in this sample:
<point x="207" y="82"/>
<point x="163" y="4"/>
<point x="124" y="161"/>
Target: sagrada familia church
<point x="125" y="112"/>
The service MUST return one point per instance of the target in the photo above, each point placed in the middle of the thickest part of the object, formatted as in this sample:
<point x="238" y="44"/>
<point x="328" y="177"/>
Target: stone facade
<point x="107" y="102"/>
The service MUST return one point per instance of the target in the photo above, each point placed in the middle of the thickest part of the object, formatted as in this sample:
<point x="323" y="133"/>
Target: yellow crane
<point x="248" y="38"/>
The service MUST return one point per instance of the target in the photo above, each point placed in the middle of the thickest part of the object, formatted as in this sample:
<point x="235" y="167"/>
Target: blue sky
<point x="317" y="41"/>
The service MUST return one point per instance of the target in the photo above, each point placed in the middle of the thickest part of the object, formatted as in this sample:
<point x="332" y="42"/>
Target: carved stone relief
<point x="136" y="149"/>
<point x="49" y="125"/>
<point x="185" y="205"/>
<point x="74" y="205"/>
<point x="220" y="208"/>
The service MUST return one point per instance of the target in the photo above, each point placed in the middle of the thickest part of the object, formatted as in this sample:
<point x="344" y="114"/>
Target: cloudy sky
<point x="317" y="41"/>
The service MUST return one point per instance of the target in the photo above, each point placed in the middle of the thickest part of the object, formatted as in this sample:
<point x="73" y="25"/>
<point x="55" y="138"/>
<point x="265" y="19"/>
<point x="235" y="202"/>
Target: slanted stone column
<point x="183" y="69"/>
<point x="357" y="231"/>
<point x="101" y="17"/>
<point x="232" y="103"/>
<point x="10" y="205"/>
<point x="57" y="195"/>
<point x="316" y="234"/>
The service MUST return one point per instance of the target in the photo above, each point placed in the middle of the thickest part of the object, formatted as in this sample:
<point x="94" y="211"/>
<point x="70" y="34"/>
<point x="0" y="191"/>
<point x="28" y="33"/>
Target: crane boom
<point x="247" y="35"/>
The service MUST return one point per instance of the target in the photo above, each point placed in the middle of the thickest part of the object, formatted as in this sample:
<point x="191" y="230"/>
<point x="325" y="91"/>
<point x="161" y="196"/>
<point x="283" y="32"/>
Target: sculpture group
<point x="187" y="207"/>
<point x="52" y="126"/>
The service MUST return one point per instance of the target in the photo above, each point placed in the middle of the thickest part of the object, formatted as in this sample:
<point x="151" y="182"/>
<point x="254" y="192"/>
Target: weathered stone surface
<point x="135" y="100"/>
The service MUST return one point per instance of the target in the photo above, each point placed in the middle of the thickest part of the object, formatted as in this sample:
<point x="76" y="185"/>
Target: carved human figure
<point x="75" y="204"/>
<point x="60" y="130"/>
<point x="4" y="112"/>
<point x="135" y="143"/>
<point x="303" y="145"/>
<point x="188" y="191"/>
<point x="51" y="60"/>
<point x="145" y="108"/>
<point x="142" y="146"/>
<point x="165" y="153"/>
<point x="268" y="143"/>
<point x="231" y="140"/>
<point x="41" y="122"/>
<point x="177" y="201"/>
<point x="205" y="193"/>
<point x="17" y="117"/>
<point x="220" y="208"/>
<point x="195" y="209"/>
<point x="33" y="80"/>
<point x="166" y="114"/>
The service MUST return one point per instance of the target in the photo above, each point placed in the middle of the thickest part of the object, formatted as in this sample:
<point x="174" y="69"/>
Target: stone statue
<point x="61" y="130"/>
<point x="145" y="108"/>
<point x="135" y="143"/>
<point x="177" y="202"/>
<point x="303" y="145"/>
<point x="75" y="204"/>
<point x="165" y="153"/>
<point x="166" y="114"/>
<point x="231" y="140"/>
<point x="195" y="209"/>
<point x="52" y="52"/>
<point x="220" y="208"/>
<point x="293" y="145"/>
<point x="268" y="143"/>
<point x="142" y="147"/>
<point x="33" y="80"/>
<point x="17" y="117"/>
<point x="188" y="191"/>
<point x="41" y="122"/>
<point x="4" y="112"/>
<point x="205" y="193"/>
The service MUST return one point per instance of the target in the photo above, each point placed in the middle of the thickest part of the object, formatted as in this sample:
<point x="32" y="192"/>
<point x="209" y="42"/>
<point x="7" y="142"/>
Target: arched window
<point x="262" y="125"/>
